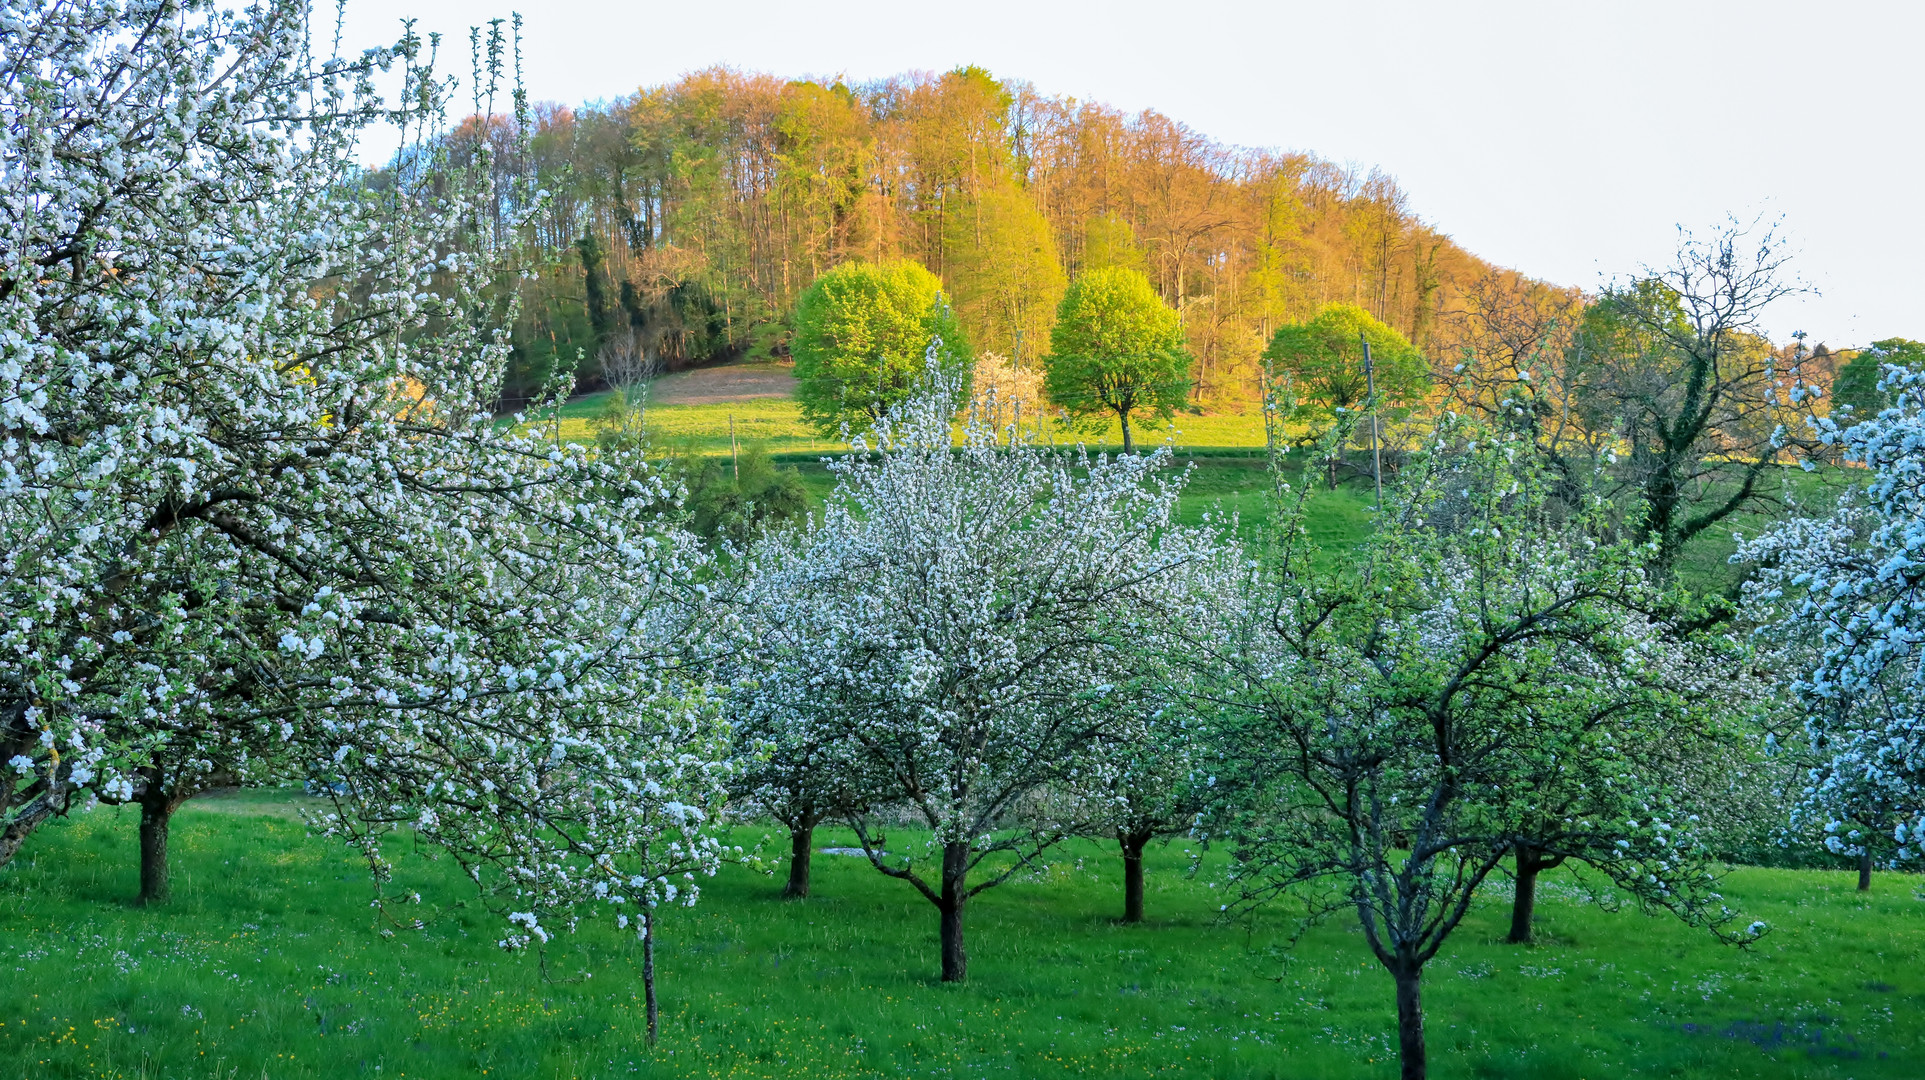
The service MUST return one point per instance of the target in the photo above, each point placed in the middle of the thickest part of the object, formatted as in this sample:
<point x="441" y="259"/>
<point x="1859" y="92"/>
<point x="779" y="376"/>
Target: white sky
<point x="1568" y="140"/>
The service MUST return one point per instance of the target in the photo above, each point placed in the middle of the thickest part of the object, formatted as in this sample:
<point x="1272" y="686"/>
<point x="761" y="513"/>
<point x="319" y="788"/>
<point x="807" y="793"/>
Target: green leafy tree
<point x="1857" y="384"/>
<point x="1702" y="411"/>
<point x="1004" y="271"/>
<point x="1109" y="241"/>
<point x="862" y="332"/>
<point x="735" y="498"/>
<point x="1321" y="363"/>
<point x="1117" y="348"/>
<point x="1323" y="359"/>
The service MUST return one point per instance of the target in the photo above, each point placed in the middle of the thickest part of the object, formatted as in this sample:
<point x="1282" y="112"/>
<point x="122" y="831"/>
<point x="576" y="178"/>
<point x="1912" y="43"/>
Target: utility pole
<point x="1370" y="391"/>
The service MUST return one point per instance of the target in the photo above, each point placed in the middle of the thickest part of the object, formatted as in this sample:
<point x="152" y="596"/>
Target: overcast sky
<point x="1568" y="140"/>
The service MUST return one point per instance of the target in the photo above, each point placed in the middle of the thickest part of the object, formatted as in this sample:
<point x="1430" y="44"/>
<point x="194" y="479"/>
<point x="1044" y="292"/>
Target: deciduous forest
<point x="686" y="219"/>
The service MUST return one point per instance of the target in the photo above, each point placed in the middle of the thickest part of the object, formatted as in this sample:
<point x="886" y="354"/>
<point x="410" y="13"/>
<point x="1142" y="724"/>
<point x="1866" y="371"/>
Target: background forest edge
<point x="684" y="221"/>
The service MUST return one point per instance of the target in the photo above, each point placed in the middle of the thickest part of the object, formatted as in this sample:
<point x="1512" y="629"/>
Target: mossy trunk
<point x="648" y="969"/>
<point x="1530" y="863"/>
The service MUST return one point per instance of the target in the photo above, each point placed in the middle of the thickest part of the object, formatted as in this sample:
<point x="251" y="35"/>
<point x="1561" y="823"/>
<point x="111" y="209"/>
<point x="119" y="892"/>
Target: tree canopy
<point x="1117" y="349"/>
<point x="1857" y="385"/>
<point x="1675" y="367"/>
<point x="1323" y="358"/>
<point x="860" y="338"/>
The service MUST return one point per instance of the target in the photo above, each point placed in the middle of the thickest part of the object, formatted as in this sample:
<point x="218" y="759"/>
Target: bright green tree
<point x="862" y="333"/>
<point x="1857" y="384"/>
<point x="1003" y="269"/>
<point x="1109" y="241"/>
<point x="1117" y="348"/>
<point x="1323" y="359"/>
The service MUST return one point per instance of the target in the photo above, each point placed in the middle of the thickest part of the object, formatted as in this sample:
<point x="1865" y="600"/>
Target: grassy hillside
<point x="1222" y="453"/>
<point x="680" y="414"/>
<point x="271" y="964"/>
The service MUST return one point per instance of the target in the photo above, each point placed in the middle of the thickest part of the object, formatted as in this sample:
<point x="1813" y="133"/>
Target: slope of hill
<point x="685" y="219"/>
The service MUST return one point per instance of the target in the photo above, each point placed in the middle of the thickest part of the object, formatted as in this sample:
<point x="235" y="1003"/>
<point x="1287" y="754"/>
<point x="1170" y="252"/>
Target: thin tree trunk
<point x="801" y="841"/>
<point x="1524" y="903"/>
<point x="1864" y="871"/>
<point x="1133" y="844"/>
<point x="1410" y="1022"/>
<point x="1128" y="444"/>
<point x="648" y="968"/>
<point x="156" y="815"/>
<point x="955" y="864"/>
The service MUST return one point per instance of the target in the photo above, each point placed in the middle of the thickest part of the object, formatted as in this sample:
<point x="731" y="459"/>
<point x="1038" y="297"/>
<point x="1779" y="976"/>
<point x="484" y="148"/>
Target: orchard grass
<point x="778" y="423"/>
<point x="1230" y="473"/>
<point x="270" y="963"/>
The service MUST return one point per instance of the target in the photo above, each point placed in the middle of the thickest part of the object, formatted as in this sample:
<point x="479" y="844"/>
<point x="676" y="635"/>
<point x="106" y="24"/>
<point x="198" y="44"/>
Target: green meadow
<point x="777" y="423"/>
<point x="271" y="963"/>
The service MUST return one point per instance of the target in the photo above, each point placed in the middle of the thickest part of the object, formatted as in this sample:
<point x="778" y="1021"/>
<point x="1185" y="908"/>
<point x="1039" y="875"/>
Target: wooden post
<point x="1370" y="391"/>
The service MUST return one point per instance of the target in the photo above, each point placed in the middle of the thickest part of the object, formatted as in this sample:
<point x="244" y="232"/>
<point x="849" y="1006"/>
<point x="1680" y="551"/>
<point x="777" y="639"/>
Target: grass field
<point x="1223" y="452"/>
<point x="270" y="964"/>
<point x="777" y="422"/>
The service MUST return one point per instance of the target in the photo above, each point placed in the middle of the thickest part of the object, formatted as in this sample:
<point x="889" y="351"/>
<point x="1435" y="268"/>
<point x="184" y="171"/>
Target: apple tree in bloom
<point x="1481" y="677"/>
<point x="256" y="505"/>
<point x="792" y="765"/>
<point x="1153" y="781"/>
<point x="961" y="629"/>
<point x="1847" y="597"/>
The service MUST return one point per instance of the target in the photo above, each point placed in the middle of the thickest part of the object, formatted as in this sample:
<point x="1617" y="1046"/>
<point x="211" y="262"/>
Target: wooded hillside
<point x="687" y="218"/>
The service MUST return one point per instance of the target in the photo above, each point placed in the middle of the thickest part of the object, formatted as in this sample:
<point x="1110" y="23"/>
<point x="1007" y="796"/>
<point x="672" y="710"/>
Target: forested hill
<point x="688" y="217"/>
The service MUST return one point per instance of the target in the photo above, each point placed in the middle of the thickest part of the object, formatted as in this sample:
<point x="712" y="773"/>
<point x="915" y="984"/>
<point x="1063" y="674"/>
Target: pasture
<point x="270" y="963"/>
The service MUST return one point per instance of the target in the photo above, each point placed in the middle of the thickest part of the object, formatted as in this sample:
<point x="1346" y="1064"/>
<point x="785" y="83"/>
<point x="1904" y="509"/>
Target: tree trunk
<point x="1129" y="446"/>
<point x="955" y="870"/>
<point x="1133" y="844"/>
<point x="801" y="847"/>
<point x="648" y="967"/>
<point x="1864" y="871"/>
<point x="29" y="817"/>
<point x="1524" y="903"/>
<point x="156" y="814"/>
<point x="1410" y="1022"/>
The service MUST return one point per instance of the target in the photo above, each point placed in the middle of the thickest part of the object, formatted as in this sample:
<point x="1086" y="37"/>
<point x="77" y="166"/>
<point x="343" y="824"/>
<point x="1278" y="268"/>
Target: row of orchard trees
<point x="259" y="524"/>
<point x="1001" y="645"/>
<point x="693" y="215"/>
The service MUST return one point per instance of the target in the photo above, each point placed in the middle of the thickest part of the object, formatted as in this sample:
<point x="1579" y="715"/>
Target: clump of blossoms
<point x="253" y="499"/>
<point x="1847" y="597"/>
<point x="957" y="635"/>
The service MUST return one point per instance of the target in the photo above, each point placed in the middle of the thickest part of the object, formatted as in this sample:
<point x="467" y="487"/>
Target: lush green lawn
<point x="1228" y="475"/>
<point x="1220" y="488"/>
<point x="270" y="963"/>
<point x="777" y="422"/>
